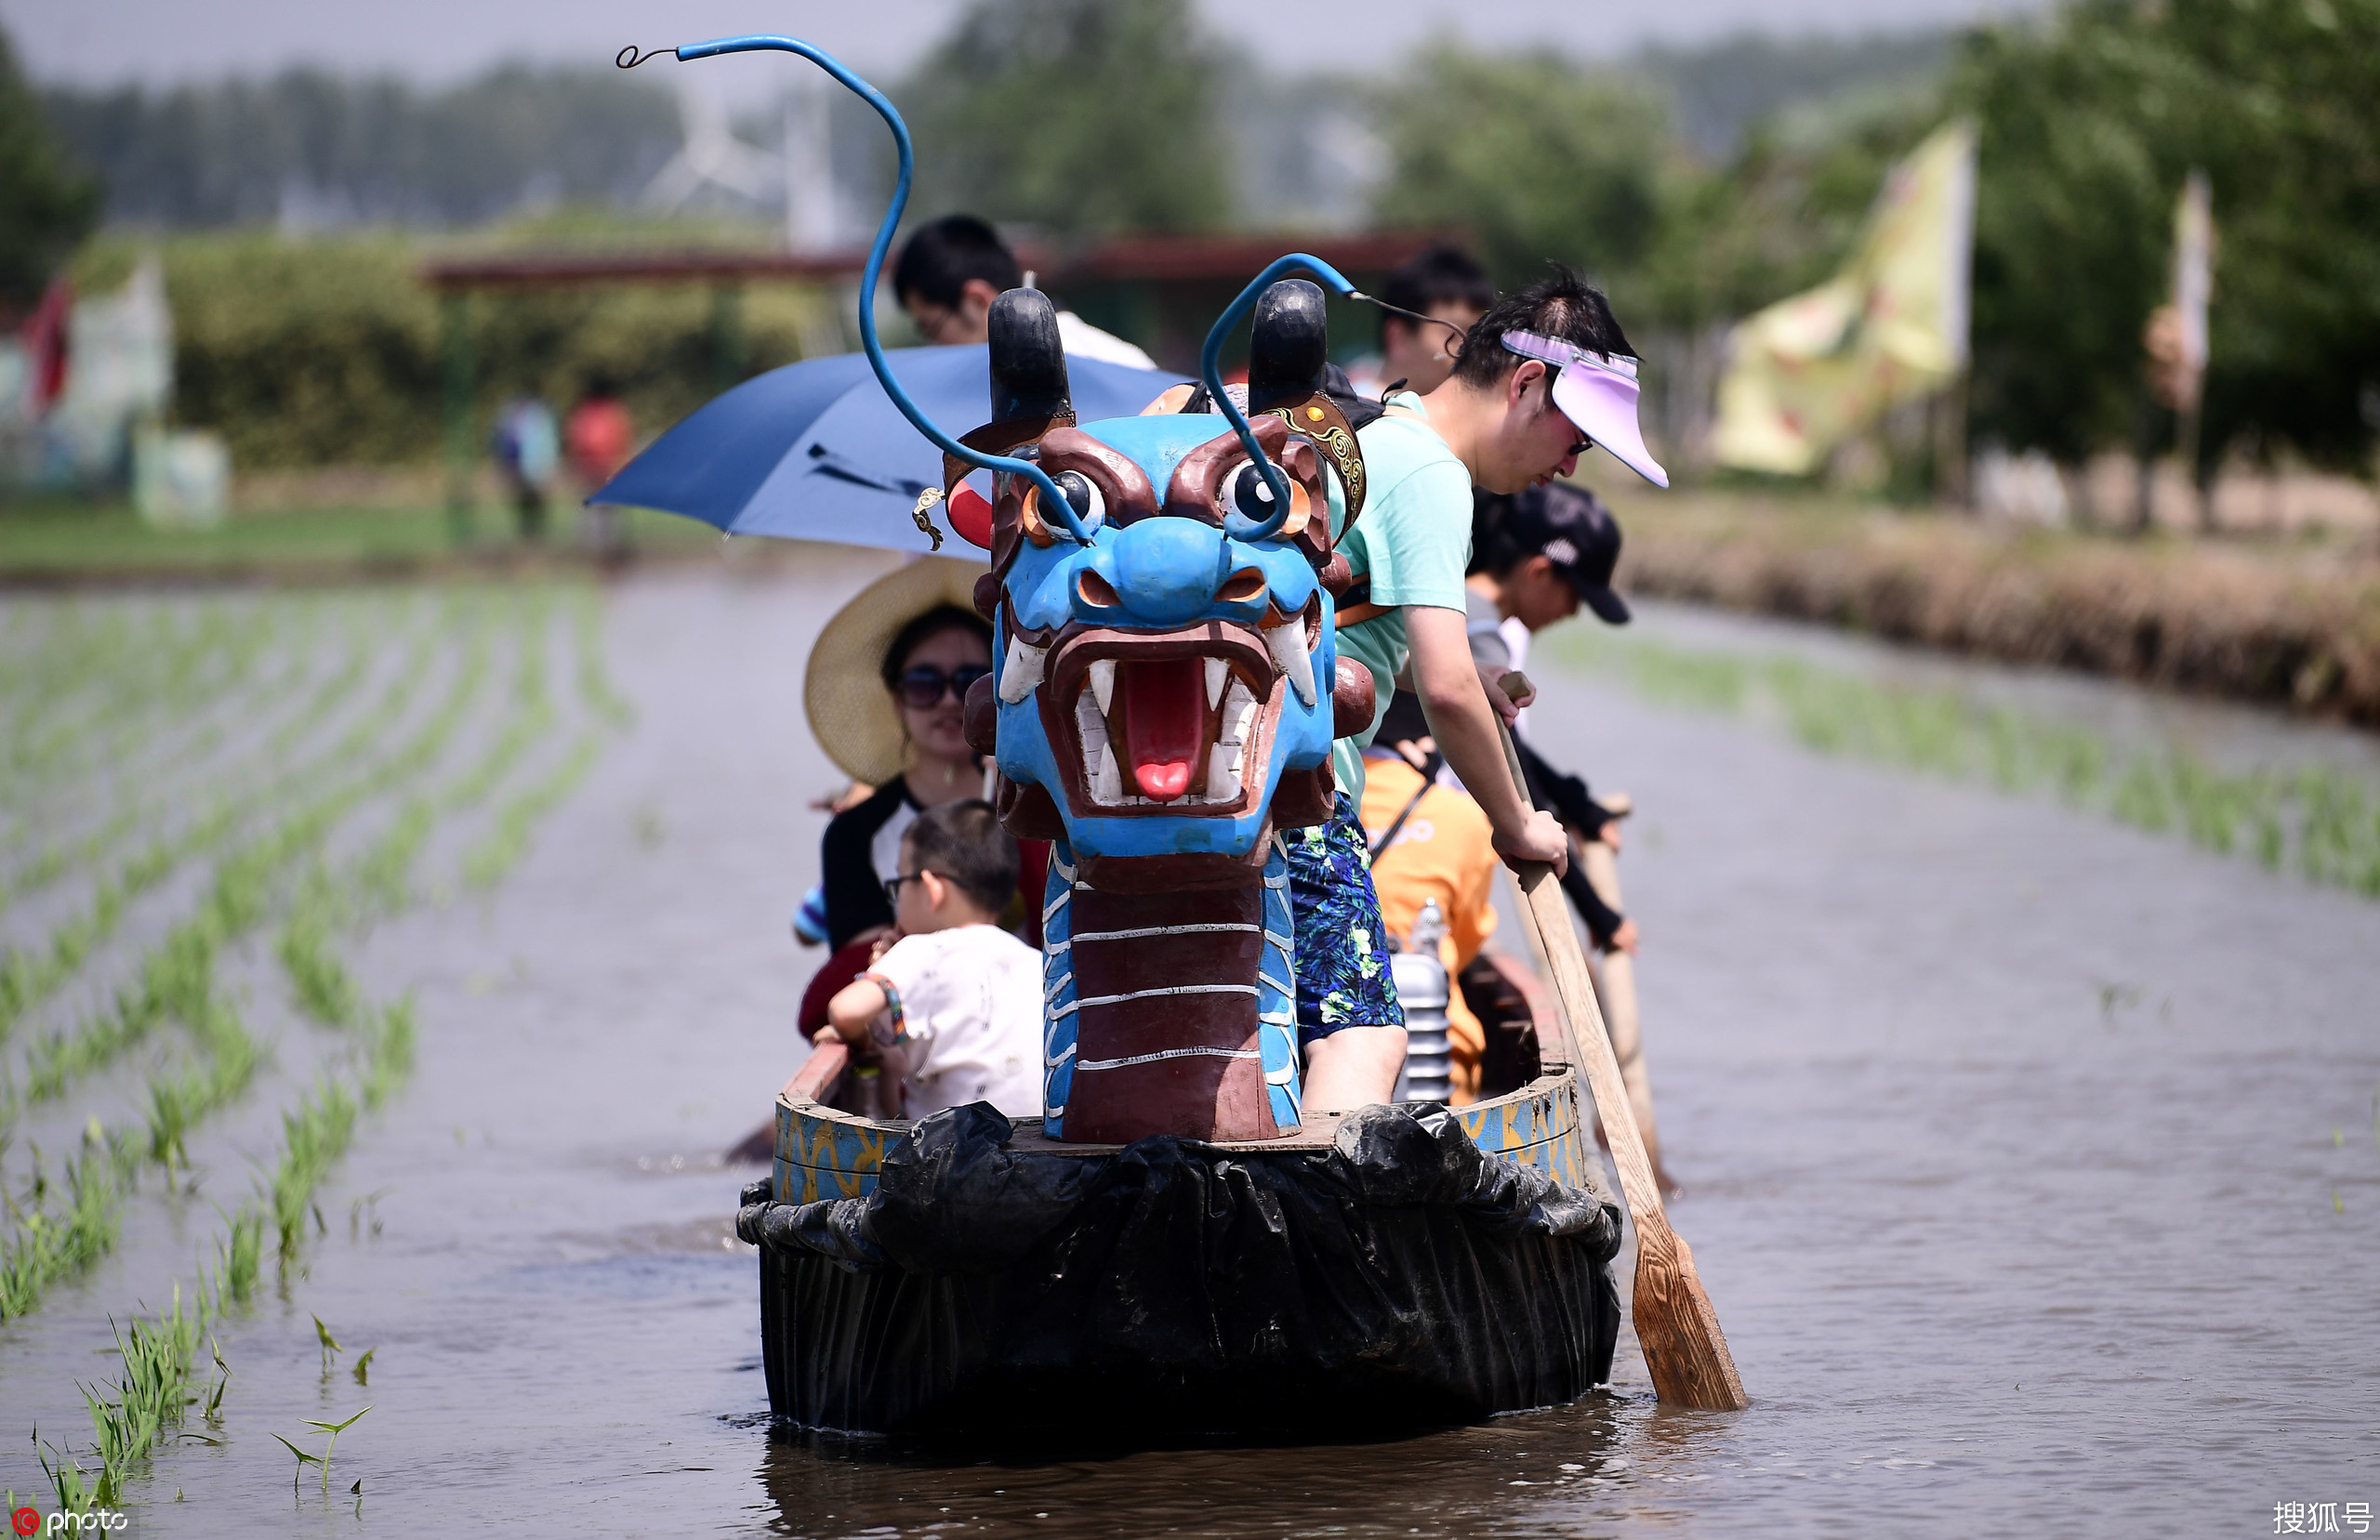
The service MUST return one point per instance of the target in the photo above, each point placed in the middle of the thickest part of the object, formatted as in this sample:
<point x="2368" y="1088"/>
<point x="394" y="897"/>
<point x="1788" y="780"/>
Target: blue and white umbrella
<point x="818" y="450"/>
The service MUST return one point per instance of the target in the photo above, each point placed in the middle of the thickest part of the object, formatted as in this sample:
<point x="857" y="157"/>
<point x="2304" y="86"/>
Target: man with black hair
<point x="1445" y="285"/>
<point x="1541" y="375"/>
<point x="950" y="271"/>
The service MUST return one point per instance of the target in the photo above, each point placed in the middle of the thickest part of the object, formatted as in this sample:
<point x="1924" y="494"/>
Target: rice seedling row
<point x="153" y="1396"/>
<point x="189" y="737"/>
<point x="47" y="1244"/>
<point x="28" y="977"/>
<point x="100" y="711"/>
<point x="179" y="984"/>
<point x="2323" y="820"/>
<point x="485" y="864"/>
<point x="43" y="1249"/>
<point x="594" y="679"/>
<point x="532" y="717"/>
<point x="252" y="779"/>
<point x="50" y="714"/>
<point x="117" y="706"/>
<point x="171" y="973"/>
<point x="151" y="1399"/>
<point x="188" y="681"/>
<point x="156" y="1388"/>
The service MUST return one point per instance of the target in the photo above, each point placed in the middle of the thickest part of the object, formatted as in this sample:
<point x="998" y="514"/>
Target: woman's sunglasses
<point x="924" y="686"/>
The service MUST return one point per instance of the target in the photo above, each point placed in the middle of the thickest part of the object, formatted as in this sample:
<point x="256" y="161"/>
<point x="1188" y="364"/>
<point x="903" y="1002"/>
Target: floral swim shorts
<point x="1343" y="977"/>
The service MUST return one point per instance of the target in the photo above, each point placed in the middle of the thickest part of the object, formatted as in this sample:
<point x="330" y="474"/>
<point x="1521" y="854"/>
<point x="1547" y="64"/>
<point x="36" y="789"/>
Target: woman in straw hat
<point x="886" y="695"/>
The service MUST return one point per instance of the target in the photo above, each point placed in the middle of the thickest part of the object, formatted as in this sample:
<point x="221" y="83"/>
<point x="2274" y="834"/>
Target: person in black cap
<point x="1536" y="557"/>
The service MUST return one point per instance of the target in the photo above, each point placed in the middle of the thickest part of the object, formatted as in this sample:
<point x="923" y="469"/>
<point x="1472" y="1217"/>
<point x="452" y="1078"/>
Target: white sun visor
<point x="1598" y="394"/>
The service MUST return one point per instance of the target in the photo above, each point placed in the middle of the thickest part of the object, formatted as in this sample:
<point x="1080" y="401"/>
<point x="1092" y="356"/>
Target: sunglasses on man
<point x="924" y="686"/>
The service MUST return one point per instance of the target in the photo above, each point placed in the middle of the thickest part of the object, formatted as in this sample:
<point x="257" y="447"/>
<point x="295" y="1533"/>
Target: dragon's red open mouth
<point x="1180" y="720"/>
<point x="1159" y="726"/>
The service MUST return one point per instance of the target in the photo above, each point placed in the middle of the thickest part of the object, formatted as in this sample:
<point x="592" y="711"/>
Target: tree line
<point x="1697" y="186"/>
<point x="2090" y="121"/>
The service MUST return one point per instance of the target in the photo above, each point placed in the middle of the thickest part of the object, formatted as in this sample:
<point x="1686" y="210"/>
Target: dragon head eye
<point x="1250" y="497"/>
<point x="1082" y="493"/>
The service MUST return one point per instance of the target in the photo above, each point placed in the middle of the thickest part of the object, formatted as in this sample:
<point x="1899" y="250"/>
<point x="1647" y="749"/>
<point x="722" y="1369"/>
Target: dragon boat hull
<point x="1406" y="1267"/>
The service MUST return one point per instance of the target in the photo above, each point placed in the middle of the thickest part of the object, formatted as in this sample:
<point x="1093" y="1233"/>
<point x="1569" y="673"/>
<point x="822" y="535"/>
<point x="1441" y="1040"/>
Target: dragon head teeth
<point x="1286" y="644"/>
<point x="1021" y="674"/>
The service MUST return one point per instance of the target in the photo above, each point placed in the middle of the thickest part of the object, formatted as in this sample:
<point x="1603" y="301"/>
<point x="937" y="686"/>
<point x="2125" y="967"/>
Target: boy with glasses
<point x="953" y="1005"/>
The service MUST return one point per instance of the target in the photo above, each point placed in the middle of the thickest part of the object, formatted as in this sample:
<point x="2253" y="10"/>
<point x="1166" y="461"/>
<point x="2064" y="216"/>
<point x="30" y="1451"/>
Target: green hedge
<point x="328" y="352"/>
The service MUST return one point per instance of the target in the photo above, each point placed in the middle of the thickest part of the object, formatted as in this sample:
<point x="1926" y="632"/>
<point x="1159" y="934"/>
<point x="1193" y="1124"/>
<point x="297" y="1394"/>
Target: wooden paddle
<point x="1675" y="1325"/>
<point x="1616" y="989"/>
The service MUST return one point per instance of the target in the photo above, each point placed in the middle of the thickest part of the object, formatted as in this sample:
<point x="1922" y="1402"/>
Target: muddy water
<point x="2032" y="1166"/>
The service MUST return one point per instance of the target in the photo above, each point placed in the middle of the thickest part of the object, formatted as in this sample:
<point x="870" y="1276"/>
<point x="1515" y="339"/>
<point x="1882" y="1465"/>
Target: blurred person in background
<point x="528" y="451"/>
<point x="597" y="438"/>
<point x="950" y="271"/>
<point x="1444" y="284"/>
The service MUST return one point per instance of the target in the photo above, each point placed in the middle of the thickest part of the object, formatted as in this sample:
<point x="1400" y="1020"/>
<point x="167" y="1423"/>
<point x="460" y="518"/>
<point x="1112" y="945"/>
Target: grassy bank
<point x="2318" y="820"/>
<point x="2296" y="625"/>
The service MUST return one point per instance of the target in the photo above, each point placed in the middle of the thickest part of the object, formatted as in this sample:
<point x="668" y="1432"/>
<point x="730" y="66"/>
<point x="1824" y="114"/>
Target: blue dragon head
<point x="1166" y="685"/>
<point x="1166" y="692"/>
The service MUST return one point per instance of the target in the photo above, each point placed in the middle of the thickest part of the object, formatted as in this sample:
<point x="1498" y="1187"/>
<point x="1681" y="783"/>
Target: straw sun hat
<point x="856" y="719"/>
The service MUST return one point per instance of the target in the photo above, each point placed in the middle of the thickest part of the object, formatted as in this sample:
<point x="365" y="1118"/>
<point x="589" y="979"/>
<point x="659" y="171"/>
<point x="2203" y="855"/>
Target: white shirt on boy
<point x="966" y="1007"/>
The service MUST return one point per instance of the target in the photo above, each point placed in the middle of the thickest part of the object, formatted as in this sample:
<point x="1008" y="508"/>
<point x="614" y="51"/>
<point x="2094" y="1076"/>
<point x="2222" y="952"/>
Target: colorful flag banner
<point x="2176" y="335"/>
<point x="1812" y="370"/>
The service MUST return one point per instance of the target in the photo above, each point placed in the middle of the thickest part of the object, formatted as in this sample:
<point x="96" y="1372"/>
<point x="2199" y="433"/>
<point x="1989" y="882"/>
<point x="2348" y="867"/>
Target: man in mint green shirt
<point x="1541" y="375"/>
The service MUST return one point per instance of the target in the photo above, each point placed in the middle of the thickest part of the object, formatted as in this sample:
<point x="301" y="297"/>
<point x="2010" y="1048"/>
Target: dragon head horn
<point x="1289" y="344"/>
<point x="1028" y="362"/>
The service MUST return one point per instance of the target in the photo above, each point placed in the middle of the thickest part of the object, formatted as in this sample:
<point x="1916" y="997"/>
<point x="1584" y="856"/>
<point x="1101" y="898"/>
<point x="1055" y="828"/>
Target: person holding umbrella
<point x="952" y="269"/>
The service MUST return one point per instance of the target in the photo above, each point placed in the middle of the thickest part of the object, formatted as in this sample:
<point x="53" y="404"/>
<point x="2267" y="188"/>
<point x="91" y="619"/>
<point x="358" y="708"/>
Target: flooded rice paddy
<point x="2030" y="1139"/>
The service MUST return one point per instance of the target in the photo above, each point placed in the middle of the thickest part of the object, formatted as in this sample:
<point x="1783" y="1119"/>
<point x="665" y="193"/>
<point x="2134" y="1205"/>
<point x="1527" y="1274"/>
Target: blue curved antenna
<point x="1052" y="500"/>
<point x="1209" y="371"/>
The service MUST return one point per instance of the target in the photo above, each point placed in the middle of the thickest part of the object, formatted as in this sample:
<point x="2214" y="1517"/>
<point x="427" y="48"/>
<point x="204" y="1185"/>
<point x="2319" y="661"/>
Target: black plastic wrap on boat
<point x="1402" y="1278"/>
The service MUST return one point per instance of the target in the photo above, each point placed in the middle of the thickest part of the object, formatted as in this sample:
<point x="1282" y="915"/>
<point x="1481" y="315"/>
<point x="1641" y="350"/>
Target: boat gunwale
<point x="1558" y="1069"/>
